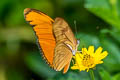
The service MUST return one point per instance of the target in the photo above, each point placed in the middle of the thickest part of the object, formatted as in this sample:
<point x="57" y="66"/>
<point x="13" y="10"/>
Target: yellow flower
<point x="88" y="58"/>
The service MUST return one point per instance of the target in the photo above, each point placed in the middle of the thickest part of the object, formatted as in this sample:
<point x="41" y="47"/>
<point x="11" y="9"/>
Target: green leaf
<point x="87" y="40"/>
<point x="112" y="61"/>
<point x="71" y="76"/>
<point x="104" y="75"/>
<point x="114" y="33"/>
<point x="108" y="10"/>
<point x="116" y="77"/>
<point x="37" y="65"/>
<point x="13" y="74"/>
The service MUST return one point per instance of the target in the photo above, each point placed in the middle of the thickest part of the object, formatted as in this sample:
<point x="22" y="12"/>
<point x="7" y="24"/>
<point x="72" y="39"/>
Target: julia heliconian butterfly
<point x="55" y="38"/>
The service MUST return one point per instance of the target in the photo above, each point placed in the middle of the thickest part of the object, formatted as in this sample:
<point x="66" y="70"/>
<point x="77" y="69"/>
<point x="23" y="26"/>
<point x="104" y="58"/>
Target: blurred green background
<point x="98" y="24"/>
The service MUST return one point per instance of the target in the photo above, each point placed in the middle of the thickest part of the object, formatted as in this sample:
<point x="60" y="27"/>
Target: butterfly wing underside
<point x="62" y="57"/>
<point x="42" y="26"/>
<point x="63" y="53"/>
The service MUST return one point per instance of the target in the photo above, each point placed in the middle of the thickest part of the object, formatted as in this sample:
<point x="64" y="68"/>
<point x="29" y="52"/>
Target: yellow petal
<point x="100" y="62"/>
<point x="74" y="67"/>
<point x="103" y="55"/>
<point x="84" y="51"/>
<point x="87" y="69"/>
<point x="98" y="51"/>
<point x="77" y="52"/>
<point x="78" y="59"/>
<point x="81" y="56"/>
<point x="91" y="50"/>
<point x="82" y="68"/>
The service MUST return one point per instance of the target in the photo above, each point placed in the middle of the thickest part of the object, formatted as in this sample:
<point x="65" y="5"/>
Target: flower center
<point x="88" y="60"/>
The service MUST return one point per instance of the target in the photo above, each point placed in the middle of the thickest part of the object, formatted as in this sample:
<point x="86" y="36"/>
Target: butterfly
<point x="55" y="39"/>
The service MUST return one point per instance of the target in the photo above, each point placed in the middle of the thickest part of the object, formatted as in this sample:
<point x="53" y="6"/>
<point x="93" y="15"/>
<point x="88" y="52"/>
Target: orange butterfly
<point x="55" y="39"/>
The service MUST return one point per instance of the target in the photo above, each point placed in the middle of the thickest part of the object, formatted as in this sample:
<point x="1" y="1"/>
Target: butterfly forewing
<point x="42" y="26"/>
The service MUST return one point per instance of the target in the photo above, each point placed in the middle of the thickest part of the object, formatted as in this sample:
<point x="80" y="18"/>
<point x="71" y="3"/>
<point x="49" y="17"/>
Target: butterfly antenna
<point x="75" y="28"/>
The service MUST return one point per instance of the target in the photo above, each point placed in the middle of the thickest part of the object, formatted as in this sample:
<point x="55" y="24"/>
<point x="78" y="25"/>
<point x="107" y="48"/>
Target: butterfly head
<point x="75" y="50"/>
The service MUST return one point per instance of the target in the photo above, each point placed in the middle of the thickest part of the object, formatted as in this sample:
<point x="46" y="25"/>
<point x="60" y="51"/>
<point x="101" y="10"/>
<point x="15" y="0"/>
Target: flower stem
<point x="92" y="74"/>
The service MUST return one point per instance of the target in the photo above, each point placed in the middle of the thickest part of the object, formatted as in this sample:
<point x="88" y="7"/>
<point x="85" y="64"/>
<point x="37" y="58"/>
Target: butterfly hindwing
<point x="62" y="56"/>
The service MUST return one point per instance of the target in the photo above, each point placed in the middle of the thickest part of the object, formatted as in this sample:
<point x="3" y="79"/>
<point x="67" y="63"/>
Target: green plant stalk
<point x="92" y="74"/>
